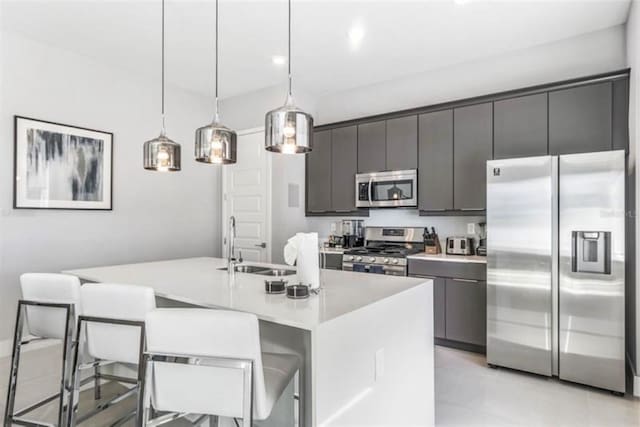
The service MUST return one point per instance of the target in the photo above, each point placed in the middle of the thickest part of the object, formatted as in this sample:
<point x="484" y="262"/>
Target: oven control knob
<point x="372" y="259"/>
<point x="395" y="261"/>
<point x="349" y="258"/>
<point x="386" y="260"/>
<point x="359" y="258"/>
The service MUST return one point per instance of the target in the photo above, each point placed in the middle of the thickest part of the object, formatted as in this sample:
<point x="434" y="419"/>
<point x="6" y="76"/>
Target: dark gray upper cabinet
<point x="580" y="119"/>
<point x="402" y="143"/>
<point x="344" y="157"/>
<point x="520" y="127"/>
<point x="319" y="173"/>
<point x="466" y="312"/>
<point x="620" y="135"/>
<point x="435" y="161"/>
<point x="372" y="147"/>
<point x="472" y="147"/>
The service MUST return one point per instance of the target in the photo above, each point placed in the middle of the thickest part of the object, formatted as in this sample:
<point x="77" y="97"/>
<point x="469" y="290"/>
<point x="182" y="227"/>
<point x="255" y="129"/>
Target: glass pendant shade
<point x="288" y="130"/>
<point x="161" y="154"/>
<point x="216" y="143"/>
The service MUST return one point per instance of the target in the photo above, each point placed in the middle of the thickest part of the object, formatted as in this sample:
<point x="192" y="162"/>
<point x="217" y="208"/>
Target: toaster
<point x="459" y="246"/>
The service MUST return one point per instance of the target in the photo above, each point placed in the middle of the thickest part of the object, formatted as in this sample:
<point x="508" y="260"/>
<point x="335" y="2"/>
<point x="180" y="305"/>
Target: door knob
<point x="262" y="245"/>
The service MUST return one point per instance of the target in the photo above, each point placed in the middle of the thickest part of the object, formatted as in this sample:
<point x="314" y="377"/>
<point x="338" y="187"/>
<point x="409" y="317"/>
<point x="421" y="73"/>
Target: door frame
<point x="223" y="219"/>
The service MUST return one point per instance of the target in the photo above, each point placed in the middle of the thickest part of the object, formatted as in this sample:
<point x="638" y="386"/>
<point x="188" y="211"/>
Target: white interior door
<point x="246" y="194"/>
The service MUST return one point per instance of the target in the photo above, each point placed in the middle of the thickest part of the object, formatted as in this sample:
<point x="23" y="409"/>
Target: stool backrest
<point x="197" y="388"/>
<point x="120" y="343"/>
<point x="49" y="322"/>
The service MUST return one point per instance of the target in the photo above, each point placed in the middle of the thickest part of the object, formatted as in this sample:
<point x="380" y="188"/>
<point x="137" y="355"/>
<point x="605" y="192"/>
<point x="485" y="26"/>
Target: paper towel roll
<point x="303" y="250"/>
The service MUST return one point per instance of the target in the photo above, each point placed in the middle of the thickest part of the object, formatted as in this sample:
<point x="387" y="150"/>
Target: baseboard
<point x="7" y="345"/>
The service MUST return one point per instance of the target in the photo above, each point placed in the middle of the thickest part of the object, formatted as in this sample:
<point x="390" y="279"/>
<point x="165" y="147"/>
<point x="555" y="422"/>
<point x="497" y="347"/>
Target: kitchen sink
<point x="264" y="271"/>
<point x="255" y="269"/>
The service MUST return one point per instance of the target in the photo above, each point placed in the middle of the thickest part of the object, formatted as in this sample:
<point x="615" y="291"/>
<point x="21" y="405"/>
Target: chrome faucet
<point x="231" y="246"/>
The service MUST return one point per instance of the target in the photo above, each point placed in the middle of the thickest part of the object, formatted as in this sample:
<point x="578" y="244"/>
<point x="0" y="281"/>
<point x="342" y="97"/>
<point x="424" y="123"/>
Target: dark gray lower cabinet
<point x="439" y="305"/>
<point x="459" y="301"/>
<point x="466" y="311"/>
<point x="319" y="174"/>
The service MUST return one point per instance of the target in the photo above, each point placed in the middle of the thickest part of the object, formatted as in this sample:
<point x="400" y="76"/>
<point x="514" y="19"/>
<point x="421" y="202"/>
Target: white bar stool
<point x="209" y="362"/>
<point x="49" y="307"/>
<point x="113" y="318"/>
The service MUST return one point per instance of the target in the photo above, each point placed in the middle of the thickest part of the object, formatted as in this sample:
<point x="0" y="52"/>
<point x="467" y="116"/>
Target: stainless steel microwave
<point x="387" y="189"/>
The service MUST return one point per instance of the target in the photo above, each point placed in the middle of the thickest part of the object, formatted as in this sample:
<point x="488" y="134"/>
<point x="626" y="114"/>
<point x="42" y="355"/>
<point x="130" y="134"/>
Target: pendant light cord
<point x="216" y="117"/>
<point x="162" y="109"/>
<point x="289" y="49"/>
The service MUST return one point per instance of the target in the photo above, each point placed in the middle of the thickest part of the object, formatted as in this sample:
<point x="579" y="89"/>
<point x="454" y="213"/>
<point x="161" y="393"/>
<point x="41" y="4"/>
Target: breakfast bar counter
<point x="366" y="340"/>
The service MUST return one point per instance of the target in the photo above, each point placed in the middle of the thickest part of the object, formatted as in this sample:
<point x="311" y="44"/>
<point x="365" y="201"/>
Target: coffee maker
<point x="352" y="233"/>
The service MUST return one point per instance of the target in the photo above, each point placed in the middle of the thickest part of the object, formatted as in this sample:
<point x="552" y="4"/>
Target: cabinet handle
<point x="466" y="280"/>
<point x="434" y="210"/>
<point x="317" y="211"/>
<point x="343" y="210"/>
<point x="472" y="209"/>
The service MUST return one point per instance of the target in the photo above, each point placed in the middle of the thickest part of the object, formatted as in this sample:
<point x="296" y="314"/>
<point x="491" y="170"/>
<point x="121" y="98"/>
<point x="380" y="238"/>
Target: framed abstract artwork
<point x="59" y="166"/>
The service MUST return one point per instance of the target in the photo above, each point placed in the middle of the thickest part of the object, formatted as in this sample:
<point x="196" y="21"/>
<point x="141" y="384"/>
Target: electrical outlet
<point x="471" y="228"/>
<point x="379" y="364"/>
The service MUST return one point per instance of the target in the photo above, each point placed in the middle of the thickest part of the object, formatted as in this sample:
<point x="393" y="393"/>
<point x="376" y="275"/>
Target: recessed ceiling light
<point x="279" y="59"/>
<point x="356" y="34"/>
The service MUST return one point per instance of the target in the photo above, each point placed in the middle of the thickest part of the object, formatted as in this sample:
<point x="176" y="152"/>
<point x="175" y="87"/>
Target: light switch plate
<point x="471" y="228"/>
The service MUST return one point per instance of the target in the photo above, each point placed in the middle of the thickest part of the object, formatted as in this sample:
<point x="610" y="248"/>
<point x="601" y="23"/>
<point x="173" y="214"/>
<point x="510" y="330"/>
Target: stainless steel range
<point x="385" y="251"/>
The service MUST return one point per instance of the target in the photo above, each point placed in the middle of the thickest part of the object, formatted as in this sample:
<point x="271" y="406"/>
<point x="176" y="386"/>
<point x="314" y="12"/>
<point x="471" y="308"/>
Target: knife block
<point x="432" y="246"/>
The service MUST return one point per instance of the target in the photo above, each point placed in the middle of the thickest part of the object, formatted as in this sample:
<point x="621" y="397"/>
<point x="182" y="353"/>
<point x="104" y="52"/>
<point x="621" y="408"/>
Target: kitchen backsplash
<point x="445" y="226"/>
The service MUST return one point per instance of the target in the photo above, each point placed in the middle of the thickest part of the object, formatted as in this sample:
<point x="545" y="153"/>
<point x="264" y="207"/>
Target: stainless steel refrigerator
<point x="556" y="266"/>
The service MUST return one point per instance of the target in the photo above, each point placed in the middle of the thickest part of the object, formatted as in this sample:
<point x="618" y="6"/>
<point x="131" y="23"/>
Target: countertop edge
<point x="473" y="259"/>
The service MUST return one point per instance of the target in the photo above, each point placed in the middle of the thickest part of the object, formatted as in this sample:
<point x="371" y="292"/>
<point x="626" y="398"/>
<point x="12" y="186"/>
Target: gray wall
<point x="155" y="216"/>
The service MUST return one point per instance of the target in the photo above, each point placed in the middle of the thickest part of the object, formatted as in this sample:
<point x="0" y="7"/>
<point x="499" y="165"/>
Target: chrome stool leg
<point x="96" y="383"/>
<point x="138" y="382"/>
<point x="11" y="416"/>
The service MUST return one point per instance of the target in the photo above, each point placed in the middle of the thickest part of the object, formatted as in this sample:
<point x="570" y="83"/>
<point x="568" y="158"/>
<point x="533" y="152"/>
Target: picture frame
<point x="59" y="166"/>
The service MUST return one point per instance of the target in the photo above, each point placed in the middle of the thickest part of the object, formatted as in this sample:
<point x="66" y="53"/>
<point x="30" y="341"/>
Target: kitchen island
<point x="366" y="340"/>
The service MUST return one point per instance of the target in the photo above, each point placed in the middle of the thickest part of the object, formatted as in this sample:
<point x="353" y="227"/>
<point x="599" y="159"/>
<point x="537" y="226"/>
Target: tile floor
<point x="467" y="394"/>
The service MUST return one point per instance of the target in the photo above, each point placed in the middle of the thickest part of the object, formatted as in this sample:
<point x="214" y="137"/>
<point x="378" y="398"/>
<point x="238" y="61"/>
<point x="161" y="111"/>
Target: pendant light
<point x="162" y="154"/>
<point x="216" y="143"/>
<point x="288" y="129"/>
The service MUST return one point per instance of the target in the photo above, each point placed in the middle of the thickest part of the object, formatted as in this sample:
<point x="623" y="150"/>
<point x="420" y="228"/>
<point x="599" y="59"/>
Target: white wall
<point x="587" y="54"/>
<point x="155" y="216"/>
<point x="633" y="61"/>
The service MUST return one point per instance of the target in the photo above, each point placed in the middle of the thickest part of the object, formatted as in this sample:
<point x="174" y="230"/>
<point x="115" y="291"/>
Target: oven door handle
<point x="370" y="188"/>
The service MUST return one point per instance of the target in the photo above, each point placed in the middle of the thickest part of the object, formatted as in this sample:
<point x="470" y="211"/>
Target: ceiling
<point x="399" y="37"/>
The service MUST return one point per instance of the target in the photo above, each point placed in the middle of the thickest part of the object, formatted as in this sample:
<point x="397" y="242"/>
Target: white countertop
<point x="199" y="281"/>
<point x="450" y="258"/>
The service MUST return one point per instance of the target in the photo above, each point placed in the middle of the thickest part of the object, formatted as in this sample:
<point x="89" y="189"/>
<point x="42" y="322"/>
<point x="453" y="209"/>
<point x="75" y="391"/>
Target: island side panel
<point x="398" y="333"/>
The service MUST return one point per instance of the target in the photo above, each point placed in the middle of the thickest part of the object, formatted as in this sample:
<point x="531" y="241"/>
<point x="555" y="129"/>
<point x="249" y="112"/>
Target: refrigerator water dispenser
<point x="591" y="252"/>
